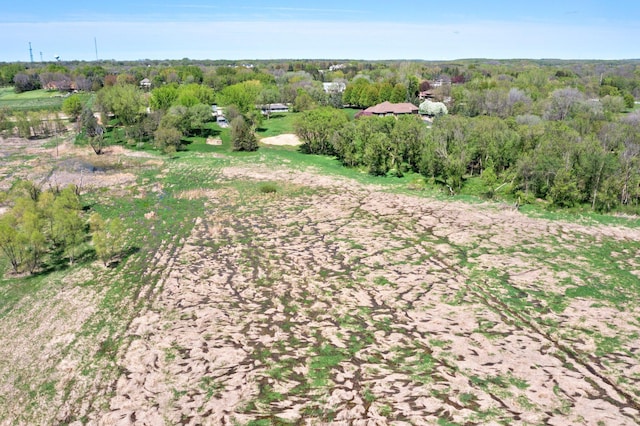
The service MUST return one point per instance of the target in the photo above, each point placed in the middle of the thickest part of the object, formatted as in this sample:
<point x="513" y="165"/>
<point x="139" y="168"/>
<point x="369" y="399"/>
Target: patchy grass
<point x="275" y="283"/>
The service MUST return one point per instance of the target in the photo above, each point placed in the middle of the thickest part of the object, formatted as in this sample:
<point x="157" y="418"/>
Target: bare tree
<point x="562" y="103"/>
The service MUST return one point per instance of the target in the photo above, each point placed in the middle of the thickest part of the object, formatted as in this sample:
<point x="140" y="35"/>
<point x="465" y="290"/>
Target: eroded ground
<point x="333" y="302"/>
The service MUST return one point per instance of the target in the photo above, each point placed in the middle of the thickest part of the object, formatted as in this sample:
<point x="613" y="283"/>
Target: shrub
<point x="268" y="188"/>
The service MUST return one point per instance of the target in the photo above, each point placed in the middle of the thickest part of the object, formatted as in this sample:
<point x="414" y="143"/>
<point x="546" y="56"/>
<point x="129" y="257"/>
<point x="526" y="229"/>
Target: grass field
<point x="277" y="124"/>
<point x="35" y="100"/>
<point x="280" y="288"/>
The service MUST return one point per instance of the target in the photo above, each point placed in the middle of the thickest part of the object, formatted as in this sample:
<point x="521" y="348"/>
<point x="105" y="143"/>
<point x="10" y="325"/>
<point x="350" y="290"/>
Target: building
<point x="273" y="108"/>
<point x="334" y="87"/>
<point x="145" y="83"/>
<point x="386" y="109"/>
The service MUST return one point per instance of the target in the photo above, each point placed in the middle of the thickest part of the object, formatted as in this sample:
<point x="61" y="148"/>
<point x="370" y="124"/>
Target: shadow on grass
<point x="58" y="261"/>
<point x="121" y="257"/>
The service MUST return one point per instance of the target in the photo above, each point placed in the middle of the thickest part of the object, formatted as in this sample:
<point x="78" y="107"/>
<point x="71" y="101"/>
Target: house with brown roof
<point x="386" y="109"/>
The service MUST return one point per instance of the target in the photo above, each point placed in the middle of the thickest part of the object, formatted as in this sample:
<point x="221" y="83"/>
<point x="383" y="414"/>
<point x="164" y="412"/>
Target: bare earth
<point x="284" y="139"/>
<point x="347" y="305"/>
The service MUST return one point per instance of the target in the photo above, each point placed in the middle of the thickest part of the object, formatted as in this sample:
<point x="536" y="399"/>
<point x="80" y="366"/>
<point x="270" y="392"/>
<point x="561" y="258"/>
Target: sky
<point x="327" y="29"/>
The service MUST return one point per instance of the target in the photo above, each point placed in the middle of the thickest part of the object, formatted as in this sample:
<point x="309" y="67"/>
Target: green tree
<point x="163" y="97"/>
<point x="629" y="100"/>
<point x="564" y="192"/>
<point x="23" y="188"/>
<point x="8" y="72"/>
<point x="10" y="241"/>
<point x="448" y="154"/>
<point x="202" y="94"/>
<point x="489" y="180"/>
<point x="399" y="93"/>
<point x="369" y="96"/>
<point x="167" y="138"/>
<point x="72" y="106"/>
<point x="376" y="154"/>
<point x="345" y="145"/>
<point x="33" y="237"/>
<point x="303" y="101"/>
<point x="408" y="137"/>
<point x="125" y="101"/>
<point x="316" y="129"/>
<point x="243" y="95"/>
<point x="45" y="207"/>
<point x="92" y="130"/>
<point x="68" y="223"/>
<point x="199" y="116"/>
<point x="385" y="92"/>
<point x="108" y="238"/>
<point x="242" y="136"/>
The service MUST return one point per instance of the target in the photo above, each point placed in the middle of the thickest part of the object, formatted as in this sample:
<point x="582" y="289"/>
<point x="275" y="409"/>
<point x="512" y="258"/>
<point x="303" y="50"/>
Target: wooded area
<point x="562" y="131"/>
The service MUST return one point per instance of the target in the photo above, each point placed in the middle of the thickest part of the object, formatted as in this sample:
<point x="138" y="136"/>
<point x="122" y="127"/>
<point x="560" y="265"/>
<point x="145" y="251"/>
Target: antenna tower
<point x="30" y="52"/>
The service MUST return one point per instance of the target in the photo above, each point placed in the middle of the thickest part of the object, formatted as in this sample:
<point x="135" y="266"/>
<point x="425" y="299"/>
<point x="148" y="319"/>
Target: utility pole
<point x="30" y="52"/>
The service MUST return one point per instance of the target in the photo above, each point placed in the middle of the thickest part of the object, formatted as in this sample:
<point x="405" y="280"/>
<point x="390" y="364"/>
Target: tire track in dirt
<point x="579" y="358"/>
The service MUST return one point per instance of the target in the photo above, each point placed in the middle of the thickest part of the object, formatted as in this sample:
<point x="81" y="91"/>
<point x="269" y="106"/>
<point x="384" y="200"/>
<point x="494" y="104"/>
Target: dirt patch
<point x="358" y="305"/>
<point x="334" y="302"/>
<point x="66" y="164"/>
<point x="289" y="139"/>
<point x="214" y="141"/>
<point x="31" y="364"/>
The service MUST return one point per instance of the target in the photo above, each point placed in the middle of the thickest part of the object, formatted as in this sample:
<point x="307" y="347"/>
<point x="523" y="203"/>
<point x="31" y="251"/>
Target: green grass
<point x="35" y="100"/>
<point x="327" y="357"/>
<point x="278" y="124"/>
<point x="282" y="123"/>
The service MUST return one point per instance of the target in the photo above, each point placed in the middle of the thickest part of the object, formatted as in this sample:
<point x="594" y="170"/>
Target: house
<point x="386" y="109"/>
<point x="426" y="94"/>
<point x="145" y="83"/>
<point x="273" y="108"/>
<point x="63" y="85"/>
<point x="334" y="87"/>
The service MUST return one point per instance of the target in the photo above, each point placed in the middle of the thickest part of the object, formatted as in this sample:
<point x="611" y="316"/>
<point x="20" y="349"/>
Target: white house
<point x="334" y="87"/>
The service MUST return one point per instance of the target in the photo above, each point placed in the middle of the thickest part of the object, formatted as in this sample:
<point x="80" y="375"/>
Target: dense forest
<point x="564" y="132"/>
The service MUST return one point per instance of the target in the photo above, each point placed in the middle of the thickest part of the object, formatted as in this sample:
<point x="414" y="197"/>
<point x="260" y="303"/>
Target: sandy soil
<point x="332" y="302"/>
<point x="384" y="283"/>
<point x="284" y="139"/>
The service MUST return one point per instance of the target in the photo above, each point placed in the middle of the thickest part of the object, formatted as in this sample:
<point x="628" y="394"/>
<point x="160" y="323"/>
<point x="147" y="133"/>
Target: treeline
<point x="43" y="229"/>
<point x="363" y="93"/>
<point x="567" y="162"/>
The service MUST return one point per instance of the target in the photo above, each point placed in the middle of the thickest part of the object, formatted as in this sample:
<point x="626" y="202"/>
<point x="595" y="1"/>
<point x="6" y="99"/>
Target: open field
<point x="34" y="100"/>
<point x="277" y="124"/>
<point x="267" y="288"/>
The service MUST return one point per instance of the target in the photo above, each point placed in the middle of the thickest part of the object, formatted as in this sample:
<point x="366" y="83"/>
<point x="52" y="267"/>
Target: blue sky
<point x="356" y="29"/>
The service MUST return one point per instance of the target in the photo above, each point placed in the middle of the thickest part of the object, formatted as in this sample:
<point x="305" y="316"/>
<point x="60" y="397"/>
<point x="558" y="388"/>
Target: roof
<point x="389" y="108"/>
<point x="334" y="86"/>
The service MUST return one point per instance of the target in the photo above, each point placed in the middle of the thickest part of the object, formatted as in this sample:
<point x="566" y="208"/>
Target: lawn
<point x="278" y="124"/>
<point x="34" y="100"/>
